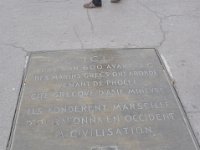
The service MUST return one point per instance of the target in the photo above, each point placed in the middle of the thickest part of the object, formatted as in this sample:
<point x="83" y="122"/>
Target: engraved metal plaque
<point x="99" y="100"/>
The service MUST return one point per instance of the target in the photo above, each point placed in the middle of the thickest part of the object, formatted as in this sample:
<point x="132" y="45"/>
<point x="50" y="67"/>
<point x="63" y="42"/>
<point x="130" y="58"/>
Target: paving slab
<point x="99" y="99"/>
<point x="194" y="119"/>
<point x="12" y="63"/>
<point x="182" y="36"/>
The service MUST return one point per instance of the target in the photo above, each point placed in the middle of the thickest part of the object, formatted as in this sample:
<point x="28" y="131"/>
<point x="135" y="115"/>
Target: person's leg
<point x="93" y="4"/>
<point x="97" y="2"/>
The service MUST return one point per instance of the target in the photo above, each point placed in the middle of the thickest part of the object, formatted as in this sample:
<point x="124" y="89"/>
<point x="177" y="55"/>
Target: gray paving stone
<point x="194" y="119"/>
<point x="181" y="51"/>
<point x="39" y="25"/>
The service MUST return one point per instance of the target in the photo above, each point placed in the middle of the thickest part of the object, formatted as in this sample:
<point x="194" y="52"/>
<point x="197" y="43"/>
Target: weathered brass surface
<point x="99" y="100"/>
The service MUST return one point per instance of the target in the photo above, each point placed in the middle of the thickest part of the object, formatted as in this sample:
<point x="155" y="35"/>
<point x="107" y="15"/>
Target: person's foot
<point x="90" y="5"/>
<point x="115" y="1"/>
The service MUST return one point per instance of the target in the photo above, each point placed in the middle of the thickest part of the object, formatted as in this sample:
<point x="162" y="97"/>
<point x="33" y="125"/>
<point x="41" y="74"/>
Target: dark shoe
<point x="115" y="1"/>
<point x="90" y="5"/>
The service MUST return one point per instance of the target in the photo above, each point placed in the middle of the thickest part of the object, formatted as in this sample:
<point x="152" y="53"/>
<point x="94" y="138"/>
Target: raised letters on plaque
<point x="99" y="100"/>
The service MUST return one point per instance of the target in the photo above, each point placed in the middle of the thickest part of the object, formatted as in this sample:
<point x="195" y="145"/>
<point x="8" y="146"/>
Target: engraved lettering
<point x="143" y="73"/>
<point x="111" y="92"/>
<point x="34" y="111"/>
<point x="143" y="91"/>
<point x="125" y="131"/>
<point x="150" y="117"/>
<point x="39" y="96"/>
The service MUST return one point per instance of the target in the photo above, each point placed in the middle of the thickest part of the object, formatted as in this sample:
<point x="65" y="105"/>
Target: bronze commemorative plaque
<point x="105" y="99"/>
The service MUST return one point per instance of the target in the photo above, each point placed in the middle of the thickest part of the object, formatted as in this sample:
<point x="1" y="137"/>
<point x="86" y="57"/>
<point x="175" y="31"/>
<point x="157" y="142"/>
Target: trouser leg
<point x="97" y="2"/>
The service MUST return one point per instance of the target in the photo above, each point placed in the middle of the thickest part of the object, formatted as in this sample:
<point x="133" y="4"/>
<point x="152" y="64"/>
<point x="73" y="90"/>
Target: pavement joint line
<point x="9" y="142"/>
<point x="167" y="68"/>
<point x="90" y="21"/>
<point x="161" y="19"/>
<point x="78" y="37"/>
<point x="16" y="46"/>
<point x="78" y="49"/>
<point x="181" y="106"/>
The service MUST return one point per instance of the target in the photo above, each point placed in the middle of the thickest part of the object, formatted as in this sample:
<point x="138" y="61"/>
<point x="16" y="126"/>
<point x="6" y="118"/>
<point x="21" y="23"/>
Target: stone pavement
<point x="172" y="27"/>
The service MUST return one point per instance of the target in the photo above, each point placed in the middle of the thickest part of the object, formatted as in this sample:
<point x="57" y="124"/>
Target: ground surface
<point x="172" y="26"/>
